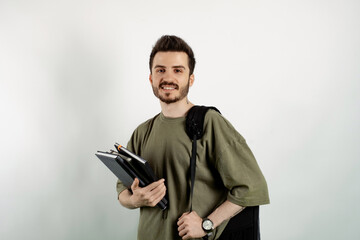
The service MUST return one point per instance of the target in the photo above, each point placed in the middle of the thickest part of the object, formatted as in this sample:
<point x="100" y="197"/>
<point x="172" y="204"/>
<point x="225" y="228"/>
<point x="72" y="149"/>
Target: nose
<point x="168" y="76"/>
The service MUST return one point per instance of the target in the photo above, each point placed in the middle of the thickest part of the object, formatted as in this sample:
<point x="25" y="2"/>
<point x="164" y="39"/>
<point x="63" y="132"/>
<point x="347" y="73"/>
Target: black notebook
<point x="127" y="166"/>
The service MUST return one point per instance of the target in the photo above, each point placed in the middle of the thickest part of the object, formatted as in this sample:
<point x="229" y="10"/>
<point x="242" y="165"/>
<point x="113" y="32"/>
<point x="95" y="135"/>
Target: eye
<point x="177" y="70"/>
<point x="160" y="70"/>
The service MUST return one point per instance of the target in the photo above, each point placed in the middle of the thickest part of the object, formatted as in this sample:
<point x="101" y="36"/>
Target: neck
<point x="177" y="109"/>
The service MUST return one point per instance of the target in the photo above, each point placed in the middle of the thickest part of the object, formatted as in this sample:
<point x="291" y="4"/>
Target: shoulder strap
<point x="195" y="130"/>
<point x="195" y="121"/>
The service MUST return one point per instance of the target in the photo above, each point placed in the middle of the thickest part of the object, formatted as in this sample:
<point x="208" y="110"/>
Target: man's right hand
<point x="147" y="196"/>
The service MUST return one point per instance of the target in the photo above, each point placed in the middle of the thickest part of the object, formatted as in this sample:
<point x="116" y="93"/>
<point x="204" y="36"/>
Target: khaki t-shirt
<point x="225" y="169"/>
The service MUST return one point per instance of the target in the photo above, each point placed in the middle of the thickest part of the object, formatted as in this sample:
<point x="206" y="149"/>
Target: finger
<point x="159" y="195"/>
<point x="156" y="199"/>
<point x="181" y="220"/>
<point x="181" y="227"/>
<point x="183" y="215"/>
<point x="135" y="184"/>
<point x="155" y="193"/>
<point x="193" y="213"/>
<point x="186" y="236"/>
<point x="179" y="223"/>
<point x="158" y="188"/>
<point x="155" y="184"/>
<point x="182" y="232"/>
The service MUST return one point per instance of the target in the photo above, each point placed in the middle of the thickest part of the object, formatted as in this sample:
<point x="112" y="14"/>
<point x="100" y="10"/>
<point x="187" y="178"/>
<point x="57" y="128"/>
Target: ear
<point x="150" y="79"/>
<point x="191" y="79"/>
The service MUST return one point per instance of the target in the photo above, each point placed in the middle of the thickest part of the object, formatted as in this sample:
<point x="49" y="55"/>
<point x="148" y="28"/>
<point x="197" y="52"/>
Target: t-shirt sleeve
<point x="242" y="176"/>
<point x="235" y="163"/>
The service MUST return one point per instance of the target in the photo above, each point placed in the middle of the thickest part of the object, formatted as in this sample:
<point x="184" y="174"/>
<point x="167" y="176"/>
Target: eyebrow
<point x="177" y="66"/>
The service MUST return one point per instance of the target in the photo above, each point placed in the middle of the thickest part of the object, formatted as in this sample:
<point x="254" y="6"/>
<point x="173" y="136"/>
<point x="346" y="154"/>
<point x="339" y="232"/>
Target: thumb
<point x="135" y="184"/>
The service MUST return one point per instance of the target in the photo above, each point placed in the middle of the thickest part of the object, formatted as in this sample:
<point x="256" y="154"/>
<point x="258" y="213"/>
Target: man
<point x="227" y="180"/>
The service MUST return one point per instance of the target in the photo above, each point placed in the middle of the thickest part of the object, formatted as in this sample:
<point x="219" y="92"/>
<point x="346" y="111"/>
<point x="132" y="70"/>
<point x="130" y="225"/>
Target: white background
<point x="74" y="79"/>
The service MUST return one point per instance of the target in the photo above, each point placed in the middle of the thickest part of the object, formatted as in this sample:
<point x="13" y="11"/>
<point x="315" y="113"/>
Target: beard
<point x="166" y="97"/>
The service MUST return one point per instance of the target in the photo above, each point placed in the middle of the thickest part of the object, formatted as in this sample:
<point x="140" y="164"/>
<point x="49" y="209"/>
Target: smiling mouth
<point x="168" y="86"/>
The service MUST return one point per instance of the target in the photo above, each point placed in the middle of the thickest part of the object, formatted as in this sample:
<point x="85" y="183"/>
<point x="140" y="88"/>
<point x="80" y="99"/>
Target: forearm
<point x="224" y="212"/>
<point x="125" y="199"/>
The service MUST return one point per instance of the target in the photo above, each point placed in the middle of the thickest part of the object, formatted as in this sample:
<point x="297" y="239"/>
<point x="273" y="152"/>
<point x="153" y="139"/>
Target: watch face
<point x="207" y="225"/>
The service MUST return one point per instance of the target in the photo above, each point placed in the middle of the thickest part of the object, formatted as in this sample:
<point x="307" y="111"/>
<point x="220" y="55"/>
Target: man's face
<point x="170" y="78"/>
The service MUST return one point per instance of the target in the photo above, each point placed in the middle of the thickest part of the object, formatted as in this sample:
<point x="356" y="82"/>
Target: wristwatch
<point x="207" y="226"/>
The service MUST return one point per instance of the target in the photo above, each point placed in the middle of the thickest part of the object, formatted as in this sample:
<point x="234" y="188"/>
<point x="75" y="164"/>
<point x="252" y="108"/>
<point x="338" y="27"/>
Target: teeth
<point x="168" y="88"/>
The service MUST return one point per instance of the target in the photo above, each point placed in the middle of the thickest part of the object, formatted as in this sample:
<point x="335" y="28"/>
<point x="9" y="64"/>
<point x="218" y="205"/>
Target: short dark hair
<point x="171" y="43"/>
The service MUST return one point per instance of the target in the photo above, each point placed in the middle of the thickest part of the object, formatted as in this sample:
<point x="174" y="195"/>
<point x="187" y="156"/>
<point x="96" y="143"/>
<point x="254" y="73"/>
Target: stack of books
<point x="127" y="166"/>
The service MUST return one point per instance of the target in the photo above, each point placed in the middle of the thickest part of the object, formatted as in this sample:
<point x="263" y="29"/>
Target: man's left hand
<point x="190" y="226"/>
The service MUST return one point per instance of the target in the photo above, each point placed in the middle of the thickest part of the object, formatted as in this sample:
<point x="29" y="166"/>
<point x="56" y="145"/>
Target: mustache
<point x="165" y="83"/>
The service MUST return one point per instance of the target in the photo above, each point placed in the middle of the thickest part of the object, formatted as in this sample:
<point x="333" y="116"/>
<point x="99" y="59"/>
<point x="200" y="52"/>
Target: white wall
<point x="74" y="79"/>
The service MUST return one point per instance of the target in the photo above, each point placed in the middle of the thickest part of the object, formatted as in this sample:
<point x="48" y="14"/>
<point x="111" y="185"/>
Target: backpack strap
<point x="195" y="130"/>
